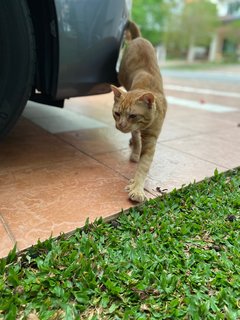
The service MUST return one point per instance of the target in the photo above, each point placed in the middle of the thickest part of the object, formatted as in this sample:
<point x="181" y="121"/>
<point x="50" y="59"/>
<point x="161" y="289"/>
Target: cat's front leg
<point x="136" y="145"/>
<point x="135" y="192"/>
<point x="136" y="186"/>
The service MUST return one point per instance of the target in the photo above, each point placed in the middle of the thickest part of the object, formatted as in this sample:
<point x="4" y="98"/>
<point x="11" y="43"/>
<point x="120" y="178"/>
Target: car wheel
<point x="17" y="61"/>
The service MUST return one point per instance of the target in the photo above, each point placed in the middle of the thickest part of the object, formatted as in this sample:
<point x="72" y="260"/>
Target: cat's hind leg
<point x="136" y="145"/>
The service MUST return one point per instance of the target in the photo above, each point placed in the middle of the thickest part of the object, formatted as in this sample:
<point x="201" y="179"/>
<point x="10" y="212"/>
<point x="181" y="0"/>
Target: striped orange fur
<point x="141" y="108"/>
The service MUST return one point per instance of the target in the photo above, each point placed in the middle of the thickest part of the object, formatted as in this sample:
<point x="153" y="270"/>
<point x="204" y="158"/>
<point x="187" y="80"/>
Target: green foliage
<point x="194" y="25"/>
<point x="198" y="21"/>
<point x="230" y="51"/>
<point x="151" y="16"/>
<point x="176" y="25"/>
<point x="234" y="32"/>
<point x="174" y="257"/>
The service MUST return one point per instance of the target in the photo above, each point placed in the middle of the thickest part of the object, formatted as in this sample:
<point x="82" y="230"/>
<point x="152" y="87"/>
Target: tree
<point x="232" y="41"/>
<point x="151" y="16"/>
<point x="198" y="21"/>
<point x="234" y="32"/>
<point x="177" y="24"/>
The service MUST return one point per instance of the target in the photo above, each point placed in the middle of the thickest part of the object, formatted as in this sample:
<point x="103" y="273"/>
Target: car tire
<point x="17" y="61"/>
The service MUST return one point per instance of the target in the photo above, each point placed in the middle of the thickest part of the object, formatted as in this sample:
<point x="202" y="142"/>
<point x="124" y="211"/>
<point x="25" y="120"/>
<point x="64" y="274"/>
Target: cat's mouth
<point x="124" y="130"/>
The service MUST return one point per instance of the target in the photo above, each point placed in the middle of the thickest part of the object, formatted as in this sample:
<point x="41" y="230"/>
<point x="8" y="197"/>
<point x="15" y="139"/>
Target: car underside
<point x="57" y="49"/>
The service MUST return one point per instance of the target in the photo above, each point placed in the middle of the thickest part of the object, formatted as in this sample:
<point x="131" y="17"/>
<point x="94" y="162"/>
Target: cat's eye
<point x="117" y="114"/>
<point x="132" y="116"/>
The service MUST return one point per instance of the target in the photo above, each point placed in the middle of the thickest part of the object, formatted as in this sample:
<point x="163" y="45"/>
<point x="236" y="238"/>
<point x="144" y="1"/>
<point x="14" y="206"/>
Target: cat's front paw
<point x="130" y="186"/>
<point x="137" y="195"/>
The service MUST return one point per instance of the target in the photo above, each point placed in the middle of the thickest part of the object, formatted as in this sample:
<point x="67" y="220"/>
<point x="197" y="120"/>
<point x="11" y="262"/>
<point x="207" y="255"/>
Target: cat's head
<point x="133" y="110"/>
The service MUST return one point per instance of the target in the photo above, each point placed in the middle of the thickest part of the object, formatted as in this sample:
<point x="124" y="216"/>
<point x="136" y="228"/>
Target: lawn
<point x="174" y="257"/>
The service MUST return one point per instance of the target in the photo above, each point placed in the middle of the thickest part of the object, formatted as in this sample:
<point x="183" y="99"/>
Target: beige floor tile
<point x="24" y="127"/>
<point x="170" y="168"/>
<point x="6" y="178"/>
<point x="213" y="147"/>
<point x="98" y="107"/>
<point x="56" y="120"/>
<point x="231" y="135"/>
<point x="6" y="244"/>
<point x="233" y="117"/>
<point x="60" y="198"/>
<point x="33" y="151"/>
<point x="172" y="130"/>
<point x="200" y="121"/>
<point x="94" y="141"/>
<point x="118" y="161"/>
<point x="174" y="168"/>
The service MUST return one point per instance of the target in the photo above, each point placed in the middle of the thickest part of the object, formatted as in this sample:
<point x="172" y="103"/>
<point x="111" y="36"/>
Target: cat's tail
<point x="132" y="30"/>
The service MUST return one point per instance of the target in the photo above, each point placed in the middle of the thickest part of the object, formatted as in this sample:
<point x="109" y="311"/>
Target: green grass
<point x="175" y="257"/>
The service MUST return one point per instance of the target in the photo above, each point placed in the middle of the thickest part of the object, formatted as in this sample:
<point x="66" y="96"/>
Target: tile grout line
<point x="108" y="167"/>
<point x="199" y="158"/>
<point x="152" y="192"/>
<point x="8" y="230"/>
<point x="160" y="142"/>
<point x="103" y="164"/>
<point x="194" y="134"/>
<point x="188" y="136"/>
<point x="93" y="158"/>
<point x="180" y="137"/>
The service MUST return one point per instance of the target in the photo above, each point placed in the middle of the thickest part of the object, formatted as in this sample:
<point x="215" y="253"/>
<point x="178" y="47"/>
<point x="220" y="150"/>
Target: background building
<point x="226" y="41"/>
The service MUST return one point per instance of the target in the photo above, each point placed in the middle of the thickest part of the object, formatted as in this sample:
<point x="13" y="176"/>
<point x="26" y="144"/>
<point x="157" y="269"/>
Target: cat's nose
<point x="122" y="124"/>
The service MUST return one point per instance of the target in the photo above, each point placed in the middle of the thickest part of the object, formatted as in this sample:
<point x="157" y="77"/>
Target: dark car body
<point x="72" y="47"/>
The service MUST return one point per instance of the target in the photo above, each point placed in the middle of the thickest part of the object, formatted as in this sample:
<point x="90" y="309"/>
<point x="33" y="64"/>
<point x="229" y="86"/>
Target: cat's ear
<point x="148" y="99"/>
<point x="117" y="92"/>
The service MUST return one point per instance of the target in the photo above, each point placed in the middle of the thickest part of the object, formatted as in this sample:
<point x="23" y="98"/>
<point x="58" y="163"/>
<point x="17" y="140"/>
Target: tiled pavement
<point x="60" y="167"/>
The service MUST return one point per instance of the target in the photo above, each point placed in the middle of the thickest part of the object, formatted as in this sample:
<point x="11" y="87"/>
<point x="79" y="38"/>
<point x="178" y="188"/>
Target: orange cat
<point x="140" y="110"/>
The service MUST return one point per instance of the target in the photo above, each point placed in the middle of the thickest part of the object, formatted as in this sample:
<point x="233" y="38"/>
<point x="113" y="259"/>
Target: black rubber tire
<point x="17" y="61"/>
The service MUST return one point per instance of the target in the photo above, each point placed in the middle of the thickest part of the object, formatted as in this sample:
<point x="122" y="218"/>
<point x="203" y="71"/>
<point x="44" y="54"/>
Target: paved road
<point x="215" y="75"/>
<point x="216" y="90"/>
